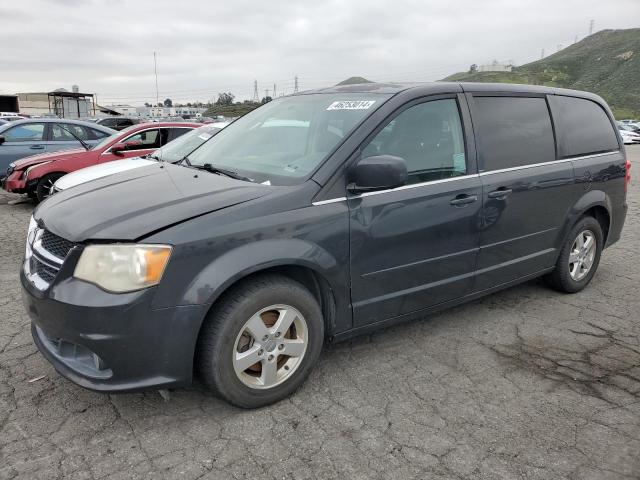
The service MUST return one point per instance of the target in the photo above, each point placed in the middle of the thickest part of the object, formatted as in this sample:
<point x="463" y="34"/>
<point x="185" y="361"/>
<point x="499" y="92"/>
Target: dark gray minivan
<point x="316" y="217"/>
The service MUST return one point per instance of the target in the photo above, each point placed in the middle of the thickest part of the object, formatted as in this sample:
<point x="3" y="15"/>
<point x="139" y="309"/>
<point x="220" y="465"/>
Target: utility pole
<point x="295" y="84"/>
<point x="255" y="91"/>
<point x="575" y="40"/>
<point x="591" y="26"/>
<point x="155" y="70"/>
<point x="274" y="90"/>
<point x="266" y="92"/>
<point x="559" y="46"/>
<point x="542" y="54"/>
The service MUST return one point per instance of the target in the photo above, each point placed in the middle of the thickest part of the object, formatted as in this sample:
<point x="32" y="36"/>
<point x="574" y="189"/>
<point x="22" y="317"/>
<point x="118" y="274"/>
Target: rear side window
<point x="60" y="133"/>
<point x="513" y="132"/>
<point x="582" y="126"/>
<point x="97" y="134"/>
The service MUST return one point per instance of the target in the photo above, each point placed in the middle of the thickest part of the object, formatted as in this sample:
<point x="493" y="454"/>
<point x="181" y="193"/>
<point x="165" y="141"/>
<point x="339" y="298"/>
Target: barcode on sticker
<point x="351" y="105"/>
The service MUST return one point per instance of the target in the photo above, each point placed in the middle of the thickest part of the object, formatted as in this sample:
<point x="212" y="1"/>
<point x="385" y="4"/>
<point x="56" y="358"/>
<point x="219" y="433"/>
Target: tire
<point x="225" y="337"/>
<point x="569" y="277"/>
<point x="45" y="184"/>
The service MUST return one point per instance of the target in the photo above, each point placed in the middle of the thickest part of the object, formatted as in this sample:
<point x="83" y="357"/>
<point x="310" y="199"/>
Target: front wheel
<point x="260" y="341"/>
<point x="579" y="257"/>
<point x="43" y="189"/>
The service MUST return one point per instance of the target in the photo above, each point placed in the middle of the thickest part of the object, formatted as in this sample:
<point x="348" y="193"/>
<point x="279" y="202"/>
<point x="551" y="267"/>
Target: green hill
<point x="354" y="80"/>
<point x="606" y="63"/>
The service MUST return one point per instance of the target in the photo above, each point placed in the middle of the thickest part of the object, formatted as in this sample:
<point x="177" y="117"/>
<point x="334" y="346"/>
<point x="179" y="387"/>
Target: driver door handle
<point x="37" y="147"/>
<point x="463" y="199"/>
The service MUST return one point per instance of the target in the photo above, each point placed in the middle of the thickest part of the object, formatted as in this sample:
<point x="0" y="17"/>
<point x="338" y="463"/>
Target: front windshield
<point x="177" y="149"/>
<point x="286" y="139"/>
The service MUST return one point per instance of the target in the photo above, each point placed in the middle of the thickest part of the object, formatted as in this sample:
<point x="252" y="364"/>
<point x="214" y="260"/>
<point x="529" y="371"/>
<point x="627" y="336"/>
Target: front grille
<point x="44" y="271"/>
<point x="56" y="245"/>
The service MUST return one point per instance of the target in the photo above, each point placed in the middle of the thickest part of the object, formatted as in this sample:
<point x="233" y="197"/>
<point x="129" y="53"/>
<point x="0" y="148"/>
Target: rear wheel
<point x="261" y="341"/>
<point x="43" y="189"/>
<point x="579" y="257"/>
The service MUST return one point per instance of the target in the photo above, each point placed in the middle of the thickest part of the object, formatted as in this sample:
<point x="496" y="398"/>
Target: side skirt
<point x="418" y="314"/>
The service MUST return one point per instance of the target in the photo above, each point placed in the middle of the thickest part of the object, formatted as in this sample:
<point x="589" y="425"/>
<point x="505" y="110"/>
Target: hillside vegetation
<point x="606" y="63"/>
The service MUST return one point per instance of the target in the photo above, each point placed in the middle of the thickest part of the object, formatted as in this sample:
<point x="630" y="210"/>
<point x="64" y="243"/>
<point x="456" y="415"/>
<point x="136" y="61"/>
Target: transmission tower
<point x="255" y="91"/>
<point x="274" y="90"/>
<point x="591" y="26"/>
<point x="295" y="84"/>
<point x="542" y="54"/>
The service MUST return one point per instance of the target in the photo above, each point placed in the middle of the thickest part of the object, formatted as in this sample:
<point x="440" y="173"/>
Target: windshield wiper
<point x="220" y="171"/>
<point x="84" y="144"/>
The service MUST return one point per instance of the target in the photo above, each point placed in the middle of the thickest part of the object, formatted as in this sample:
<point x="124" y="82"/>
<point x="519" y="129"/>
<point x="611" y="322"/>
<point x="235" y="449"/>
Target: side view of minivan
<point x="314" y="218"/>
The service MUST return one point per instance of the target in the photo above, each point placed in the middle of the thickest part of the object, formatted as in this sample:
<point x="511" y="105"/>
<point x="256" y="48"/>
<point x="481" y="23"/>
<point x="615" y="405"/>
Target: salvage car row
<point x="58" y="140"/>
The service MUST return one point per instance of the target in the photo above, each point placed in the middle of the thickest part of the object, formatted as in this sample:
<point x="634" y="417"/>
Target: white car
<point x="629" y="137"/>
<point x="172" y="152"/>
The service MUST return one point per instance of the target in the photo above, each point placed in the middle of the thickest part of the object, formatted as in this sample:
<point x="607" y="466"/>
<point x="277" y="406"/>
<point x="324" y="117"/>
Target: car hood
<point x="48" y="157"/>
<point x="98" y="171"/>
<point x="133" y="204"/>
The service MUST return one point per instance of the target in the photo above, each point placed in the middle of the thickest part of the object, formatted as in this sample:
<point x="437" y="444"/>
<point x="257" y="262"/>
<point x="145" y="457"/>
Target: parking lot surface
<point x="527" y="383"/>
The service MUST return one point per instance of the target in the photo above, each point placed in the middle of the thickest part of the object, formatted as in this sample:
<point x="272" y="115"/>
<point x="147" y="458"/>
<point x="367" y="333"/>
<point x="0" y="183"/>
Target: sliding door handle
<point x="463" y="199"/>
<point x="500" y="193"/>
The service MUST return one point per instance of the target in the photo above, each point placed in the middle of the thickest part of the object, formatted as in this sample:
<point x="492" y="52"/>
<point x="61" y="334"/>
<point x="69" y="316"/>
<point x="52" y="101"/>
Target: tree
<point x="473" y="68"/>
<point x="225" y="98"/>
<point x="147" y="104"/>
<point x="160" y="105"/>
<point x="266" y="100"/>
<point x="168" y="102"/>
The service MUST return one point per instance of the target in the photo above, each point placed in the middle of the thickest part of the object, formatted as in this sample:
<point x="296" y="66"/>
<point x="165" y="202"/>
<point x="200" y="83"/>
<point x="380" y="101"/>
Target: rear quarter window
<point x="582" y="126"/>
<point x="513" y="131"/>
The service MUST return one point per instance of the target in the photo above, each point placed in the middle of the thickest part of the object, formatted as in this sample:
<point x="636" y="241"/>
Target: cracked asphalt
<point x="525" y="384"/>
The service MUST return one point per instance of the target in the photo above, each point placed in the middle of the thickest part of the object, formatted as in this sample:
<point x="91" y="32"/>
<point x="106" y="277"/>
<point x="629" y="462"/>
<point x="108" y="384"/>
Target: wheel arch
<point x="309" y="264"/>
<point x="594" y="203"/>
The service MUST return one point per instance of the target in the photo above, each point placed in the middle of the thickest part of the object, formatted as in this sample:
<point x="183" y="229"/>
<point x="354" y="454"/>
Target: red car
<point x="35" y="175"/>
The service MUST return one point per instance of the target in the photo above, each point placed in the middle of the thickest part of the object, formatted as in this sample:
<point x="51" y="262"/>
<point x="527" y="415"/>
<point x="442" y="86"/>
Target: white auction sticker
<point x="351" y="105"/>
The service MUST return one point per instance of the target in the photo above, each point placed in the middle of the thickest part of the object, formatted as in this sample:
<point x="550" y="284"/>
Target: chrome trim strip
<point x="417" y="185"/>
<point x="553" y="162"/>
<point x="331" y="200"/>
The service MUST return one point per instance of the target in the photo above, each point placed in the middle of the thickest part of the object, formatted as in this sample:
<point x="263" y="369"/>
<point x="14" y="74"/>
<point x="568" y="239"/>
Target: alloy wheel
<point x="270" y="346"/>
<point x="582" y="255"/>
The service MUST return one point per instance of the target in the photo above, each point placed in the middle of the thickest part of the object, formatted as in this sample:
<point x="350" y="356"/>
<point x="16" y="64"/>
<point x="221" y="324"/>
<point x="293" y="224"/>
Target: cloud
<point x="106" y="46"/>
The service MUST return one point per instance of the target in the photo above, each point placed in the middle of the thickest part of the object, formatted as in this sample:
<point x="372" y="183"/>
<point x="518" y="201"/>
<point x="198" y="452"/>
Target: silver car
<point x="23" y="138"/>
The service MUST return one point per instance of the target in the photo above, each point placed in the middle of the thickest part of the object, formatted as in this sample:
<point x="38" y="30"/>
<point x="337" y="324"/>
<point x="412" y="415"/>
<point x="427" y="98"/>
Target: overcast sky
<point x="206" y="47"/>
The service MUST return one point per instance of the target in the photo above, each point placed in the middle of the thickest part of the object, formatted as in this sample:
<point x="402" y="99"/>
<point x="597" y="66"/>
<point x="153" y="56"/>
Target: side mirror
<point x="379" y="172"/>
<point x="2" y="139"/>
<point x="118" y="148"/>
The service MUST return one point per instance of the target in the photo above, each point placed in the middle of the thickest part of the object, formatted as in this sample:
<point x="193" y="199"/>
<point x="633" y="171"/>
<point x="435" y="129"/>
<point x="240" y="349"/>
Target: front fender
<point x="216" y="277"/>
<point x="210" y="281"/>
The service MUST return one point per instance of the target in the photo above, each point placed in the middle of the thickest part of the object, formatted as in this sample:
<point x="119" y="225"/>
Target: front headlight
<point x="121" y="267"/>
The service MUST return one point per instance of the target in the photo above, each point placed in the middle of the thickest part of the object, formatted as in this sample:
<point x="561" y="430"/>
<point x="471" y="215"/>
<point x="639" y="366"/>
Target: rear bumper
<point x="617" y="222"/>
<point x="112" y="343"/>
